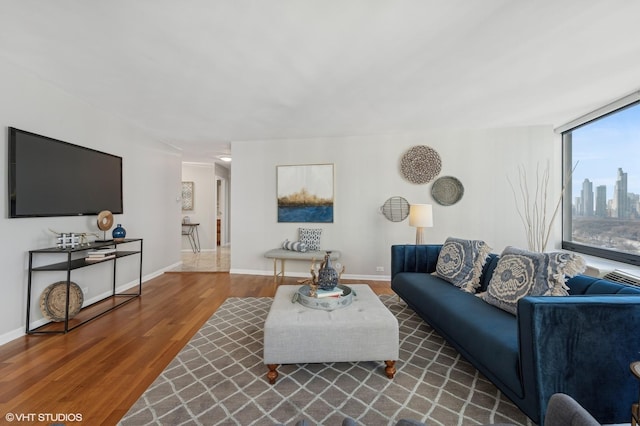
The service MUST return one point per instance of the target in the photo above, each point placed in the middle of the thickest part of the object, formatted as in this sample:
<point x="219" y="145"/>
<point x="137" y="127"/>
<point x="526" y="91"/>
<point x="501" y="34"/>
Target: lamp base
<point x="420" y="236"/>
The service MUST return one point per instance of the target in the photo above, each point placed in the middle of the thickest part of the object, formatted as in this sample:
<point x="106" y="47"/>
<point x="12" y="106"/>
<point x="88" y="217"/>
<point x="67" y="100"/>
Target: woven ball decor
<point x="420" y="164"/>
<point x="53" y="301"/>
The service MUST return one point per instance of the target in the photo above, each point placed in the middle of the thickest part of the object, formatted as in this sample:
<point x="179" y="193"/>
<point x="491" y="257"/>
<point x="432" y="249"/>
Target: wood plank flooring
<point x="100" y="369"/>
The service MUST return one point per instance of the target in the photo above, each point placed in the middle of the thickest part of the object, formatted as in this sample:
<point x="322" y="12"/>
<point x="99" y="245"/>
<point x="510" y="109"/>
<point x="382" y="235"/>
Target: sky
<point x="603" y="146"/>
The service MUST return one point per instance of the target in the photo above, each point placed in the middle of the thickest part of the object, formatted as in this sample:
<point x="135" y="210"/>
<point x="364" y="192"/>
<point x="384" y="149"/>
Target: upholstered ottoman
<point x="363" y="331"/>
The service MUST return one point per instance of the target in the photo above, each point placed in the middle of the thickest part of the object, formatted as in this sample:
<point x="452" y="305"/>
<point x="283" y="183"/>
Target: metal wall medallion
<point x="396" y="209"/>
<point x="420" y="164"/>
<point x="447" y="190"/>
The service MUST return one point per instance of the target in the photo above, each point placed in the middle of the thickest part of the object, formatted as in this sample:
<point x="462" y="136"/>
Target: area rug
<point x="219" y="379"/>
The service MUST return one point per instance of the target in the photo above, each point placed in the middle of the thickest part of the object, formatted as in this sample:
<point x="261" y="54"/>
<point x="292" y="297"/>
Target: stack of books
<point x="336" y="292"/>
<point x="100" y="254"/>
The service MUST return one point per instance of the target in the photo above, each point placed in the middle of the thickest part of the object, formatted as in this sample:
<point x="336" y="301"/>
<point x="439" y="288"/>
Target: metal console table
<point x="74" y="261"/>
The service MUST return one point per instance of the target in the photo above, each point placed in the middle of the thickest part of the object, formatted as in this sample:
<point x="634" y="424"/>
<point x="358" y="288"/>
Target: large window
<point x="601" y="206"/>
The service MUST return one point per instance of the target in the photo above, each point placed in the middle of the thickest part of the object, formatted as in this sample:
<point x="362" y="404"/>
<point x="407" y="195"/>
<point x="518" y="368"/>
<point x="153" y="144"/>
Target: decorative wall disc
<point x="53" y="301"/>
<point x="447" y="190"/>
<point x="105" y="220"/>
<point x="396" y="209"/>
<point x="420" y="164"/>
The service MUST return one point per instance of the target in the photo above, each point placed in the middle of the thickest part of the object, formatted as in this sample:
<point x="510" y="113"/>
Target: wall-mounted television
<point x="49" y="177"/>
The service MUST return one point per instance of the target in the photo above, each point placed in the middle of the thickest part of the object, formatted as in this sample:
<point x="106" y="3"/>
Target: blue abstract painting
<point x="305" y="193"/>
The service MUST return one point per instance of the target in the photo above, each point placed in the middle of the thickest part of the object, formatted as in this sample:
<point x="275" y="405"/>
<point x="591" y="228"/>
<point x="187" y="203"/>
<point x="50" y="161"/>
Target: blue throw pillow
<point x="522" y="273"/>
<point x="460" y="262"/>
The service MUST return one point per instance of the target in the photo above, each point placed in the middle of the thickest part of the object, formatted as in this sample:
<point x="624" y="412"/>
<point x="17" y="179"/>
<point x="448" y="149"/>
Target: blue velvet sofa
<point x="580" y="345"/>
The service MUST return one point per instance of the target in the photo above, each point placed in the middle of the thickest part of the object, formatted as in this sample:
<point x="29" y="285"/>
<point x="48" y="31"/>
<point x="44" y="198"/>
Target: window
<point x="601" y="208"/>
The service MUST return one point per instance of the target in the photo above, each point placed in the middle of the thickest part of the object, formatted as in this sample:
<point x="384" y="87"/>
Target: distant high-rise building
<point x="601" y="201"/>
<point x="587" y="198"/>
<point x="620" y="197"/>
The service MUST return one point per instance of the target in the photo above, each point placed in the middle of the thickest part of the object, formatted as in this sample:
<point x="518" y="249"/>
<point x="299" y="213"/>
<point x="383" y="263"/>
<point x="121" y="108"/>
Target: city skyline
<point x="597" y="201"/>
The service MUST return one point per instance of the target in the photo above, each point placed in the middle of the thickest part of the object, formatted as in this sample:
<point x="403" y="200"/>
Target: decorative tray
<point x="324" y="303"/>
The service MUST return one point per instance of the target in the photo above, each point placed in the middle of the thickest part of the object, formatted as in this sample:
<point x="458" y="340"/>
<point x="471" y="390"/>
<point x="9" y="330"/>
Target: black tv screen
<point x="48" y="177"/>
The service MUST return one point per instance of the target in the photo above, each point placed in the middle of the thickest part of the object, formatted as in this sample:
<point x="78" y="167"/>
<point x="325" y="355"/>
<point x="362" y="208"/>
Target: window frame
<point x="567" y="166"/>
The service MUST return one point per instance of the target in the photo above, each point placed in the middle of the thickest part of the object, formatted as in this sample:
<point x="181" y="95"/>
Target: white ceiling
<point x="201" y="73"/>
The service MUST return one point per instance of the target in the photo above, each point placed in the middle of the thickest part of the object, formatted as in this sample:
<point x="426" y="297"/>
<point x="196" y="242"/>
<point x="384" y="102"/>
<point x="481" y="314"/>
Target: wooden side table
<point x="635" y="413"/>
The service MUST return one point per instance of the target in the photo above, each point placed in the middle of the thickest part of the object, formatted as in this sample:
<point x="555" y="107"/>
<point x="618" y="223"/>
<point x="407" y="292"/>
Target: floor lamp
<point x="420" y="216"/>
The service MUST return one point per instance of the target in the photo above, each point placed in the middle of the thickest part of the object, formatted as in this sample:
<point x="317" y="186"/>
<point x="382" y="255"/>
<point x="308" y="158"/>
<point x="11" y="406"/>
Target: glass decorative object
<point x="118" y="233"/>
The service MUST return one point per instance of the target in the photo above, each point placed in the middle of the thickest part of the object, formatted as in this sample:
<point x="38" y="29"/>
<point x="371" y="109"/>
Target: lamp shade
<point x="421" y="215"/>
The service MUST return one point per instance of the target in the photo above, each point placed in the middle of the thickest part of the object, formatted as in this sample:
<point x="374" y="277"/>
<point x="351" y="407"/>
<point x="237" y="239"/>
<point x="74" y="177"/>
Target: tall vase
<point x="327" y="275"/>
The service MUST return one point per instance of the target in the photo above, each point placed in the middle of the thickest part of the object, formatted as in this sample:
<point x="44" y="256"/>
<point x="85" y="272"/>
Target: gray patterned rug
<point x="219" y="379"/>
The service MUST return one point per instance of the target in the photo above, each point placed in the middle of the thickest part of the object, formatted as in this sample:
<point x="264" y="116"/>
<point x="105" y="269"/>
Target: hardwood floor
<point x="100" y="369"/>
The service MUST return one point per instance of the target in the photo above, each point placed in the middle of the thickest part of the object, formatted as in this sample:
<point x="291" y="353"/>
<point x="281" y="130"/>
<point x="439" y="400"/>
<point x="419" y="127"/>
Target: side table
<point x="191" y="231"/>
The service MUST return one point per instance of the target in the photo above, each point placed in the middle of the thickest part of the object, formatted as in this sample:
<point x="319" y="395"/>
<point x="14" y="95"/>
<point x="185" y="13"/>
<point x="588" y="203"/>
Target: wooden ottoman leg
<point x="390" y="370"/>
<point x="272" y="375"/>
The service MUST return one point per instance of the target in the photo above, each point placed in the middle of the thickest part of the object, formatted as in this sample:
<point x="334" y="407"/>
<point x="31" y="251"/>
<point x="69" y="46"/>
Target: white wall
<point x="367" y="174"/>
<point x="151" y="172"/>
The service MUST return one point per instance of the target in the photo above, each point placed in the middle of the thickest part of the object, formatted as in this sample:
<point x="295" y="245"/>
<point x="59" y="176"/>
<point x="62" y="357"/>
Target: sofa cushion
<point x="460" y="262"/>
<point x="522" y="273"/>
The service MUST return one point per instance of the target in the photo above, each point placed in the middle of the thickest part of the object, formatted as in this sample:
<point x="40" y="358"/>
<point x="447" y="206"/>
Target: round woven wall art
<point x="53" y="301"/>
<point x="420" y="164"/>
<point x="447" y="190"/>
<point x="396" y="209"/>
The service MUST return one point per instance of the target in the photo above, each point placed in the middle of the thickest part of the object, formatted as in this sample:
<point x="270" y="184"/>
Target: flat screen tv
<point x="49" y="177"/>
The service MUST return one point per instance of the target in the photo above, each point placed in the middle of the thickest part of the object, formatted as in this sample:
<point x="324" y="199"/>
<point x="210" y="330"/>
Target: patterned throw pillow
<point x="460" y="262"/>
<point x="522" y="273"/>
<point x="294" y="246"/>
<point x="311" y="237"/>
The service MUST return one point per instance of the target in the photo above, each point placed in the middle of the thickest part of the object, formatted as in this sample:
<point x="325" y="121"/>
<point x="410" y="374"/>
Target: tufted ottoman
<point x="363" y="331"/>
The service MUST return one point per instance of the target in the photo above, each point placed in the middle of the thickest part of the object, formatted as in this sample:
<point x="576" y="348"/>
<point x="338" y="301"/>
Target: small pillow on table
<point x="294" y="246"/>
<point x="521" y="273"/>
<point x="460" y="262"/>
<point x="311" y="238"/>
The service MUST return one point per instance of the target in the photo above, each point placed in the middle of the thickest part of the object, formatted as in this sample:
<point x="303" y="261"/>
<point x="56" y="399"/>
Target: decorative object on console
<point x="420" y="164"/>
<point x="460" y="262"/>
<point x="187" y="195"/>
<point x="310" y="237"/>
<point x="447" y="190"/>
<point x="305" y="193"/>
<point x="396" y="209"/>
<point x="420" y="216"/>
<point x="119" y="233"/>
<point x="105" y="222"/>
<point x="53" y="301"/>
<point x="71" y="239"/>
<point x="522" y="273"/>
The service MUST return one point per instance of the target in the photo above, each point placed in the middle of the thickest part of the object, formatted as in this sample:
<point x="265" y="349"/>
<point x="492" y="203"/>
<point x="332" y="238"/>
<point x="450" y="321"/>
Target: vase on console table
<point x="118" y="233"/>
<point x="327" y="275"/>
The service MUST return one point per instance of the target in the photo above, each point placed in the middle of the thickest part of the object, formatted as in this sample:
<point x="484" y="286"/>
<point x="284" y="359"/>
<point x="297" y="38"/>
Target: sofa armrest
<point x="414" y="258"/>
<point x="581" y="346"/>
